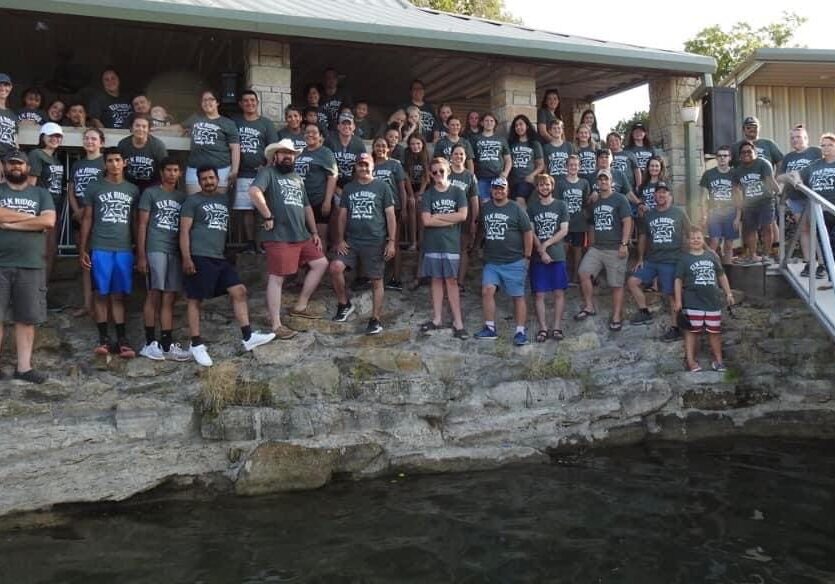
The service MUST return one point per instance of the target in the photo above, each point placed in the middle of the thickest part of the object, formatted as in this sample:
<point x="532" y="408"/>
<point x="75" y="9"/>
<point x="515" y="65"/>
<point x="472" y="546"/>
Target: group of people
<point x="547" y="212"/>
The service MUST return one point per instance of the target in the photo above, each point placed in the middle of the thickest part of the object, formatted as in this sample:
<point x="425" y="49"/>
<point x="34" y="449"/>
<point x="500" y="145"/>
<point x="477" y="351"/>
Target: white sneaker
<point x="256" y="339"/>
<point x="200" y="355"/>
<point x="177" y="353"/>
<point x="152" y="351"/>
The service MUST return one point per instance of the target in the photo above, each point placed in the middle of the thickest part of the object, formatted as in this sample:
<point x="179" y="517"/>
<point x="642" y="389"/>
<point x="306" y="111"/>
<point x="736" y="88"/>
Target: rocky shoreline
<point x="334" y="404"/>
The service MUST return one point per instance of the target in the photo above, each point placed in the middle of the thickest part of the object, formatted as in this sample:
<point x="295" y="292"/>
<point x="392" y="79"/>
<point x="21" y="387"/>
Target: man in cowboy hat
<point x="289" y="232"/>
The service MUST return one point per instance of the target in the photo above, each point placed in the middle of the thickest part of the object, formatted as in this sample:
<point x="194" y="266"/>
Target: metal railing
<point x="821" y="301"/>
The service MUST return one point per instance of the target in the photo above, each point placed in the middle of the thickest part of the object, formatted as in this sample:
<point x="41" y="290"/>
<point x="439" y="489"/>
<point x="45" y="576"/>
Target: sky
<point x="666" y="27"/>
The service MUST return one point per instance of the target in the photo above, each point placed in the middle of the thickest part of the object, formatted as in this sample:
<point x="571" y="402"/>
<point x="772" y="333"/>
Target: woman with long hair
<point x="656" y="172"/>
<point x="526" y="154"/>
<point x="55" y="112"/>
<point x="462" y="177"/>
<point x="586" y="149"/>
<point x="142" y="153"/>
<point x="444" y="146"/>
<point x="444" y="113"/>
<point x="214" y="141"/>
<point x="473" y="127"/>
<point x="313" y="93"/>
<point x="639" y="144"/>
<point x="47" y="171"/>
<point x="589" y="118"/>
<point x="549" y="110"/>
<point x="416" y="164"/>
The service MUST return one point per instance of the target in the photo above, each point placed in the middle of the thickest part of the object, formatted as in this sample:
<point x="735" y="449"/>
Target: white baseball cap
<point x="51" y="128"/>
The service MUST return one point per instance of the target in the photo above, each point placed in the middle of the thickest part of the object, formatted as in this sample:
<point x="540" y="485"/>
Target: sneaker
<point x="176" y="353"/>
<point x="125" y="351"/>
<point x="641" y="317"/>
<point x="30" y="376"/>
<point x="672" y="334"/>
<point x="343" y="311"/>
<point x="395" y="285"/>
<point x="486" y="334"/>
<point x="717" y="366"/>
<point x="820" y="273"/>
<point x="804" y="273"/>
<point x="374" y="327"/>
<point x="200" y="355"/>
<point x="153" y="352"/>
<point x="256" y="339"/>
<point x="520" y="338"/>
<point x="103" y="348"/>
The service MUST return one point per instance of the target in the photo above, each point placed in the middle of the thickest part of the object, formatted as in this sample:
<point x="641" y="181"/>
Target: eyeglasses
<point x="438" y="172"/>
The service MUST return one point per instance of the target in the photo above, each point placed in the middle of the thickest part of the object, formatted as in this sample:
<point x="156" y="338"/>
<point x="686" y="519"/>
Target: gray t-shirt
<point x="314" y="167"/>
<point x="588" y="163"/>
<point x="331" y="104"/>
<point x="607" y="217"/>
<point x="84" y="172"/>
<point x="142" y="164"/>
<point x="646" y="193"/>
<point x="489" y="153"/>
<point x="254" y="136"/>
<point x="466" y="181"/>
<point x="545" y="116"/>
<point x="391" y="172"/>
<point x="547" y="220"/>
<point x="8" y="130"/>
<point x="287" y="200"/>
<point x="31" y="115"/>
<point x="719" y="186"/>
<point x="699" y="275"/>
<point x="49" y="171"/>
<point x="444" y="146"/>
<point x="210" y="140"/>
<point x="820" y="177"/>
<point x="504" y="229"/>
<point x="442" y="239"/>
<point x="112" y="204"/>
<point x="24" y="249"/>
<point x="111" y="111"/>
<point x="766" y="150"/>
<point x="346" y="156"/>
<point x="366" y="205"/>
<point x="163" y="210"/>
<point x="556" y="158"/>
<point x="524" y="156"/>
<point x="210" y="215"/>
<point x="428" y="121"/>
<point x="752" y="180"/>
<point x="795" y="162"/>
<point x="625" y="162"/>
<point x="642" y="155"/>
<point x="666" y="234"/>
<point x="298" y="138"/>
<point x="576" y="197"/>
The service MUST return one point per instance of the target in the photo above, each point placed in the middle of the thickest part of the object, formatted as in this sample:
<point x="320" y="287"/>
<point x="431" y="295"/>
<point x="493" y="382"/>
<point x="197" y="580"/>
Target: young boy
<point x="699" y="275"/>
<point x="550" y="219"/>
<point x="364" y="128"/>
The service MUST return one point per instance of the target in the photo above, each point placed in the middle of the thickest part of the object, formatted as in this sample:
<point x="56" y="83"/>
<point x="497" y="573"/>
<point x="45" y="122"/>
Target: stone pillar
<point x="667" y="130"/>
<point x="513" y="92"/>
<point x="268" y="73"/>
<point x="571" y="110"/>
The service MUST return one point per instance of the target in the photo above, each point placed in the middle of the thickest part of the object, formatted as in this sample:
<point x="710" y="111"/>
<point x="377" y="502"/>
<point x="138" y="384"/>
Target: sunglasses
<point x="436" y="172"/>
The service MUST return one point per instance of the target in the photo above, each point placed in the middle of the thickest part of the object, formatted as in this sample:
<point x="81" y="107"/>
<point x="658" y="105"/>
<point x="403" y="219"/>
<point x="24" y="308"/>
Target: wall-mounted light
<point x="689" y="112"/>
<point x="764" y="101"/>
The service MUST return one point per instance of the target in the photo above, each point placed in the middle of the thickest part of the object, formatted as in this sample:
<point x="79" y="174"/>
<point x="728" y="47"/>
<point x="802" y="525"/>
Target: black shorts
<point x="371" y="258"/>
<point x="213" y="278"/>
<point x="320" y="218"/>
<point x="576" y="238"/>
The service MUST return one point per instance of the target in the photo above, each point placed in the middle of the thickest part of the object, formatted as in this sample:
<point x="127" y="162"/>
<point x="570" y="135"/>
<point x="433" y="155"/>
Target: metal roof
<point x="785" y="66"/>
<point x="387" y="22"/>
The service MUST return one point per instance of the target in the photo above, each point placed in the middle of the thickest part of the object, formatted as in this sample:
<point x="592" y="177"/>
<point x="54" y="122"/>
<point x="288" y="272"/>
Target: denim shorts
<point x="509" y="277"/>
<point x="666" y="274"/>
<point x="720" y="224"/>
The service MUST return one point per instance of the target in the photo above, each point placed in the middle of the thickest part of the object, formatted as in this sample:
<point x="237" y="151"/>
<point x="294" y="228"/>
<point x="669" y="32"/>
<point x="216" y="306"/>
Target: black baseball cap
<point x="15" y="154"/>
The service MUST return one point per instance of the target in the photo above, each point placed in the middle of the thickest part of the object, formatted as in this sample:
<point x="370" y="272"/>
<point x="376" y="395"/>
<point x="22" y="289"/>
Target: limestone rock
<point x="386" y="338"/>
<point x="467" y="459"/>
<point x="284" y="353"/>
<point x="275" y="467"/>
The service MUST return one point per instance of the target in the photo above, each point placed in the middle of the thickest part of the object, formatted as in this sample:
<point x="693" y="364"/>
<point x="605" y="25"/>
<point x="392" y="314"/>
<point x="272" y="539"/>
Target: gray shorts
<point x="371" y="258"/>
<point x="23" y="295"/>
<point x="440" y="265"/>
<point x="597" y="259"/>
<point x="165" y="271"/>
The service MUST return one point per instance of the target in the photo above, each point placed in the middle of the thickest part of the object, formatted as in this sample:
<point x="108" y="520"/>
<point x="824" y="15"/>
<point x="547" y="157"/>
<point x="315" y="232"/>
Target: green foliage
<point x="623" y="126"/>
<point x="490" y="9"/>
<point x="732" y="47"/>
<point x="539" y="368"/>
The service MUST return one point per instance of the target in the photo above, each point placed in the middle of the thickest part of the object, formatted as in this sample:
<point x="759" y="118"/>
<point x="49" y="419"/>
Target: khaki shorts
<point x="597" y="259"/>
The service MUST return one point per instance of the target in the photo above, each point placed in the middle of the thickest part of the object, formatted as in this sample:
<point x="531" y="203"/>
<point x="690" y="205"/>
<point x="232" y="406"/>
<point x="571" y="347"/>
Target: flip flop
<point x="428" y="326"/>
<point x="557" y="334"/>
<point x="615" y="325"/>
<point x="584" y="314"/>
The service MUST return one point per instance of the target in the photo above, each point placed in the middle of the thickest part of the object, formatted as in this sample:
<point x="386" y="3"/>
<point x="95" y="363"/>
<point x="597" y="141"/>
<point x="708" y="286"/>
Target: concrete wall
<point x="268" y="72"/>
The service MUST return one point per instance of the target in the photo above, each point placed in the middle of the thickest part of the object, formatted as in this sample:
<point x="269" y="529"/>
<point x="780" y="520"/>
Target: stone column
<point x="513" y="92"/>
<point x="667" y="130"/>
<point x="571" y="110"/>
<point x="268" y="73"/>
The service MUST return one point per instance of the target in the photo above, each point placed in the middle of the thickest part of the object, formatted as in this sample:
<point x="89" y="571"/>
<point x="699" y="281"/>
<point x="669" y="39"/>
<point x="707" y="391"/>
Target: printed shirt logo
<point x="56" y="177"/>
<point x="303" y="166"/>
<point x="573" y="198"/>
<point x="385" y="175"/>
<point x="167" y="215"/>
<point x="205" y="134"/>
<point x="215" y="216"/>
<point x="663" y="229"/>
<point x="443" y="206"/>
<point x="522" y="156"/>
<point x="8" y="132"/>
<point x="557" y="163"/>
<point x="649" y="197"/>
<point x="546" y="223"/>
<point x="21" y="205"/>
<point x="822" y="180"/>
<point x="721" y="189"/>
<point x="291" y="192"/>
<point x="495" y="226"/>
<point x="604" y="218"/>
<point x="119" y="113"/>
<point x="250" y="140"/>
<point x="83" y="177"/>
<point x="464" y="186"/>
<point x="798" y="164"/>
<point x="489" y="150"/>
<point x="588" y="162"/>
<point x="704" y="273"/>
<point x="114" y="207"/>
<point x="363" y="205"/>
<point x="620" y="162"/>
<point x="427" y="121"/>
<point x="140" y="167"/>
<point x="752" y="185"/>
<point x="345" y="162"/>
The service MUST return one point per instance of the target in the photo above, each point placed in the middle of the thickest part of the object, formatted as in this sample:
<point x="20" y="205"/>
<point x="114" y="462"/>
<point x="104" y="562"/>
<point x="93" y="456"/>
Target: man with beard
<point x="25" y="213"/>
<point x="290" y="237"/>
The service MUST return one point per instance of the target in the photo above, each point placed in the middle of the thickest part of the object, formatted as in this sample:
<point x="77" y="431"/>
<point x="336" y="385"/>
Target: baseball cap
<point x="50" y="128"/>
<point x="4" y="78"/>
<point x="604" y="172"/>
<point x="639" y="125"/>
<point x="499" y="182"/>
<point x="345" y="117"/>
<point x="751" y="121"/>
<point x="661" y="186"/>
<point x="365" y="157"/>
<point x="285" y="145"/>
<point x="15" y="154"/>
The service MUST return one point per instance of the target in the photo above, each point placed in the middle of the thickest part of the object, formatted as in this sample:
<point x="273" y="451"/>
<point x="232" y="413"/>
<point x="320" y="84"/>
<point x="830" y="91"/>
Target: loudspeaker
<point x="719" y="118"/>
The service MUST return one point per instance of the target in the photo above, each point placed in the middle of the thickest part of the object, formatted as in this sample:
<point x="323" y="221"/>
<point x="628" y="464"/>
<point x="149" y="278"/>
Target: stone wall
<point x="513" y="93"/>
<point x="572" y="109"/>
<point x="667" y="130"/>
<point x="268" y="72"/>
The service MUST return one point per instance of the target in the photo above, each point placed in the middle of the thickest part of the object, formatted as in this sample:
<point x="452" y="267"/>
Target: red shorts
<point x="285" y="259"/>
<point x="701" y="319"/>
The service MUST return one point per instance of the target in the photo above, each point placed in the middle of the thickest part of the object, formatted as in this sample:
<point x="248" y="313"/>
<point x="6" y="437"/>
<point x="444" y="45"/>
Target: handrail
<point x="824" y="307"/>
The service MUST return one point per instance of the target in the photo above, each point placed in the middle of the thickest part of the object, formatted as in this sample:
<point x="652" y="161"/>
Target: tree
<point x="489" y="9"/>
<point x="732" y="47"/>
<point x="623" y="126"/>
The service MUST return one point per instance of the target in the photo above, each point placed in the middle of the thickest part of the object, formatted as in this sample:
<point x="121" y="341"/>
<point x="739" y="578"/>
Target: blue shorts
<point x="213" y="278"/>
<point x="796" y="206"/>
<point x="484" y="185"/>
<point x="666" y="274"/>
<point x="720" y="224"/>
<point x="509" y="277"/>
<point x="548" y="277"/>
<point x="521" y="190"/>
<point x="758" y="216"/>
<point x="112" y="271"/>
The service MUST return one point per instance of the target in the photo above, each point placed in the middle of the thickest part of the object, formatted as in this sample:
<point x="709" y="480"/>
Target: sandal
<point x="584" y="314"/>
<point x="460" y="334"/>
<point x="428" y="326"/>
<point x="615" y="325"/>
<point x="542" y="336"/>
<point x="557" y="334"/>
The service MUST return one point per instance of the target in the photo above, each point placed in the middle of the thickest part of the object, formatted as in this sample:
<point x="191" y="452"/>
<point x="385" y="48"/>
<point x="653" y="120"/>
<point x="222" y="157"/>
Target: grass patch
<point x="538" y="368"/>
<point x="221" y="387"/>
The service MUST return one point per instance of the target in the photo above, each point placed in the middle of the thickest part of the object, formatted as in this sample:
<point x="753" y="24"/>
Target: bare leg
<point x="520" y="311"/>
<point x="617" y="304"/>
<point x="316" y="269"/>
<point x="412" y="217"/>
<point x="151" y="308"/>
<point x="100" y="308"/>
<point x="437" y="293"/>
<point x="322" y="230"/>
<point x="24" y="336"/>
<point x="51" y="249"/>
<point x="274" y="284"/>
<point x="690" y="341"/>
<point x="715" y="342"/>
<point x="237" y="295"/>
<point x="768" y="238"/>
<point x="634" y="285"/>
<point x="588" y="291"/>
<point x="337" y="272"/>
<point x="465" y="262"/>
<point x="248" y="220"/>
<point x="559" y="308"/>
<point x="166" y="312"/>
<point x="728" y="250"/>
<point x="488" y="303"/>
<point x="377" y="291"/>
<point x="193" y="313"/>
<point x="750" y="240"/>
<point x="117" y="308"/>
<point x="454" y="303"/>
<point x="539" y="304"/>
